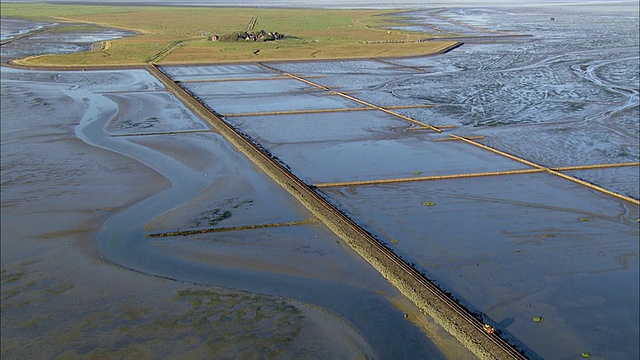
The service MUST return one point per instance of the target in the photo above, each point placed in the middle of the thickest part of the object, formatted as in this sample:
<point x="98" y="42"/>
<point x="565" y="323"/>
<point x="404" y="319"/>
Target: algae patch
<point x="222" y="211"/>
<point x="196" y="323"/>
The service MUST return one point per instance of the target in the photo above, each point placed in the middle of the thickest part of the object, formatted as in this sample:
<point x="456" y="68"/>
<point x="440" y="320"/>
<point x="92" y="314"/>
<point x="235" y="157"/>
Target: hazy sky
<point x="345" y="3"/>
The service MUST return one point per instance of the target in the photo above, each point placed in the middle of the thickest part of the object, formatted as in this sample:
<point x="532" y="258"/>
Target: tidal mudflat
<point x="51" y="38"/>
<point x="111" y="155"/>
<point x="551" y="262"/>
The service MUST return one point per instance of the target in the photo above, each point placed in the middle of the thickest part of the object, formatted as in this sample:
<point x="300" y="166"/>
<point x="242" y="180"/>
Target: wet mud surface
<point x="110" y="155"/>
<point x="551" y="263"/>
<point x="512" y="247"/>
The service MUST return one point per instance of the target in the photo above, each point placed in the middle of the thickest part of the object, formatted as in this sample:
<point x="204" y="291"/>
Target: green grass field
<point x="181" y="35"/>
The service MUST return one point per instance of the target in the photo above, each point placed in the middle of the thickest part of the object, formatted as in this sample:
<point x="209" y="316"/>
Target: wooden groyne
<point x="320" y="111"/>
<point x="554" y="171"/>
<point x="228" y="228"/>
<point x="354" y="99"/>
<point x="478" y="174"/>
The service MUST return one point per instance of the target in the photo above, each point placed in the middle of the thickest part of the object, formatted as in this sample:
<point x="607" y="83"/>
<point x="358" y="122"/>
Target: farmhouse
<point x="248" y="36"/>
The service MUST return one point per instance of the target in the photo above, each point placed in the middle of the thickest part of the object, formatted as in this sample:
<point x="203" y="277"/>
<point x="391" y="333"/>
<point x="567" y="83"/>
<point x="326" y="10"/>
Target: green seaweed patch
<point x="195" y="303"/>
<point x="197" y="323"/>
<point x="145" y="123"/>
<point x="17" y="290"/>
<point x="7" y="276"/>
<point x="33" y="321"/>
<point x="132" y="312"/>
<point x="125" y="353"/>
<point x="220" y="213"/>
<point x="27" y="285"/>
<point x="212" y="217"/>
<point x="228" y="322"/>
<point x="59" y="289"/>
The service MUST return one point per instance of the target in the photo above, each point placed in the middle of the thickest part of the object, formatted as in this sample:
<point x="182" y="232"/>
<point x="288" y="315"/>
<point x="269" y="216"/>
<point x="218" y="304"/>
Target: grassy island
<point x="184" y="35"/>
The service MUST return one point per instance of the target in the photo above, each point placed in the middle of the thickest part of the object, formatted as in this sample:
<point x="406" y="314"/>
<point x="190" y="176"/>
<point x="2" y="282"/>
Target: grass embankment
<point x="181" y="35"/>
